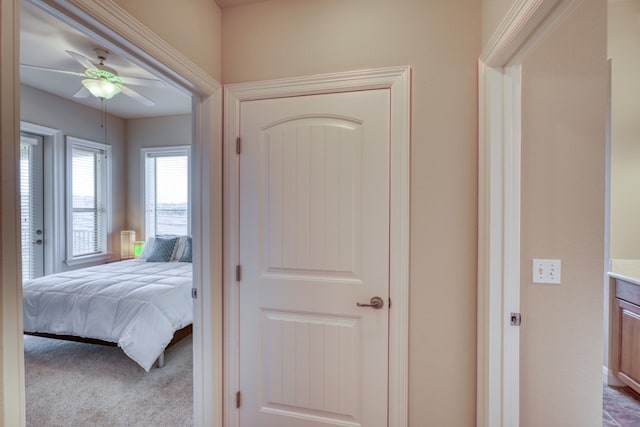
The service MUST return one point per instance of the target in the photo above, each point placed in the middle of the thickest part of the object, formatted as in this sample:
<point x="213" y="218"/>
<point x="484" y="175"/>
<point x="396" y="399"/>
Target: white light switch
<point x="546" y="271"/>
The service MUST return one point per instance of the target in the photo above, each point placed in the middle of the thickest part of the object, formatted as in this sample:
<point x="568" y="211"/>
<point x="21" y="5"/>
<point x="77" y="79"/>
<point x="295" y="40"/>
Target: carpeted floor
<point x="621" y="407"/>
<point x="72" y="384"/>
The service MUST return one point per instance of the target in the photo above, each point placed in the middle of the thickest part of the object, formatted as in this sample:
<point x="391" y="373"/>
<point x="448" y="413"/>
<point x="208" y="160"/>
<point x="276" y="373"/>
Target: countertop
<point x="625" y="269"/>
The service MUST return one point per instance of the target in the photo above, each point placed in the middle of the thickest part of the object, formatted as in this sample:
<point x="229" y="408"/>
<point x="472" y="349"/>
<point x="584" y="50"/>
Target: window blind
<point x="25" y="210"/>
<point x="166" y="192"/>
<point x="27" y="225"/>
<point x="87" y="201"/>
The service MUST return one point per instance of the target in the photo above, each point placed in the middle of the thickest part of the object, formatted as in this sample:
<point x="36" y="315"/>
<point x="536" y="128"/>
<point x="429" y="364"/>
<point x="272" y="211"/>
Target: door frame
<point x="106" y="21"/>
<point x="398" y="81"/>
<point x="525" y="25"/>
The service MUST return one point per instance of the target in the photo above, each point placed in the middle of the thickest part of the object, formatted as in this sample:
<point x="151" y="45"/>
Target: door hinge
<point x="238" y="273"/>
<point x="238" y="399"/>
<point x="238" y="145"/>
<point x="516" y="319"/>
<point x="194" y="293"/>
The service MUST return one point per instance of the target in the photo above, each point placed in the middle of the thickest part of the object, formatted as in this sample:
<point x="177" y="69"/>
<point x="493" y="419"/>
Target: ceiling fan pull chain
<point x="104" y="108"/>
<point x="102" y="112"/>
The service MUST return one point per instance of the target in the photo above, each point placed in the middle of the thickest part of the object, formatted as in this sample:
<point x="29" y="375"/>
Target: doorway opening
<point x="116" y="29"/>
<point x="622" y="253"/>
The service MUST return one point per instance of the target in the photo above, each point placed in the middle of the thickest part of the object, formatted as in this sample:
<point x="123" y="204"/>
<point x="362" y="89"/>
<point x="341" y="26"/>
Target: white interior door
<point x="314" y="242"/>
<point x="31" y="205"/>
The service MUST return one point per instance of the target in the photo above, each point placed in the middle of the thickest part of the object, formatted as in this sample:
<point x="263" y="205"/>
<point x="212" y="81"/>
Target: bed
<point x="138" y="304"/>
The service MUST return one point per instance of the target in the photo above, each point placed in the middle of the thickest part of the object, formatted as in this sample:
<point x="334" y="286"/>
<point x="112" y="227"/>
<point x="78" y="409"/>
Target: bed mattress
<point x="136" y="304"/>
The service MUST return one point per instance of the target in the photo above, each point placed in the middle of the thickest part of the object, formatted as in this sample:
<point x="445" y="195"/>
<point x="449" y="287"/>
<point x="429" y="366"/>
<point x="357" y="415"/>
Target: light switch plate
<point x="546" y="271"/>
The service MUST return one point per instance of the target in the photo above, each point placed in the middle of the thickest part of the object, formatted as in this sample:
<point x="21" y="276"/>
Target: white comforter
<point x="134" y="303"/>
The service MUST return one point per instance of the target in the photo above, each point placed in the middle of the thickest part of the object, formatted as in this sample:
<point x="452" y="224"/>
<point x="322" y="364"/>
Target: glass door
<point x="32" y="205"/>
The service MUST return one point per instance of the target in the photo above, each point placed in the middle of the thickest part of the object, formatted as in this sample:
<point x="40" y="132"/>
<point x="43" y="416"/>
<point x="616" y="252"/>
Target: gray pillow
<point x="146" y="249"/>
<point x="186" y="254"/>
<point x="162" y="250"/>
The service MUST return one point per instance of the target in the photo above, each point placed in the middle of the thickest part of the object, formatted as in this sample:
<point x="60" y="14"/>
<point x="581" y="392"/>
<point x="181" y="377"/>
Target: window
<point x="87" y="198"/>
<point x="166" y="190"/>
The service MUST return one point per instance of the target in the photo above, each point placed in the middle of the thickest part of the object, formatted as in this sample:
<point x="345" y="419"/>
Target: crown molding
<point x="526" y="21"/>
<point x="106" y="20"/>
<point x="381" y="78"/>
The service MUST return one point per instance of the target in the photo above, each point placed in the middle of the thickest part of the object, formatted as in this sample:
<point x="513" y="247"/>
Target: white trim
<point x="11" y="340"/>
<point x="610" y="378"/>
<point x="526" y="24"/>
<point x="207" y="231"/>
<point x="112" y="26"/>
<point x="511" y="265"/>
<point x="608" y="284"/>
<point x="84" y="261"/>
<point x="398" y="81"/>
<point x="499" y="268"/>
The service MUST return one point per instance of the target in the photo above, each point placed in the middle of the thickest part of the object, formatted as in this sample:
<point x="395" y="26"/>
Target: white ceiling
<point x="43" y="41"/>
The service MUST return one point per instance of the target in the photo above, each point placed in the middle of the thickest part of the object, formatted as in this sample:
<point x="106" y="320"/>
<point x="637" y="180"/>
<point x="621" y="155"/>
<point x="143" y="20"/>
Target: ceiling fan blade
<point x="137" y="96"/>
<point x="82" y="93"/>
<point x="139" y="81"/>
<point x="83" y="60"/>
<point x="54" y="70"/>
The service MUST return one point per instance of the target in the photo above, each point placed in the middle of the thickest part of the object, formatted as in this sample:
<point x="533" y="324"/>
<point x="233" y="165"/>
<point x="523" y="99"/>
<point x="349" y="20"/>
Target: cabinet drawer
<point x="628" y="292"/>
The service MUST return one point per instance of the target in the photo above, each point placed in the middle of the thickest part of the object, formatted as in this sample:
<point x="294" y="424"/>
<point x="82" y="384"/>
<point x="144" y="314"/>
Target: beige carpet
<point x="71" y="384"/>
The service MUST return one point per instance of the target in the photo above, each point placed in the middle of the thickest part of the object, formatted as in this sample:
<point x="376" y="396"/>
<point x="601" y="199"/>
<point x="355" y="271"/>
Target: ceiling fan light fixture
<point x="102" y="88"/>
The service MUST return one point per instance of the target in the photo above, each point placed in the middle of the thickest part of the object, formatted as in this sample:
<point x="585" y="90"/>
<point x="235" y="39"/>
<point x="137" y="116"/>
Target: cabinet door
<point x="629" y="350"/>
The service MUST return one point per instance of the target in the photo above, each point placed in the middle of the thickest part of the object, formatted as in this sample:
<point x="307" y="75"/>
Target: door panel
<point x="314" y="240"/>
<point x="313" y="176"/>
<point x="310" y="365"/>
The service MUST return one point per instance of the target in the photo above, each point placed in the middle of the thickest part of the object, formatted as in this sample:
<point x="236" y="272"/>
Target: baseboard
<point x="609" y="378"/>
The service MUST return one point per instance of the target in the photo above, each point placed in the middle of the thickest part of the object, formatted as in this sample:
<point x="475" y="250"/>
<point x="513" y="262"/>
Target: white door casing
<point x="397" y="81"/>
<point x="314" y="240"/>
<point x="499" y="74"/>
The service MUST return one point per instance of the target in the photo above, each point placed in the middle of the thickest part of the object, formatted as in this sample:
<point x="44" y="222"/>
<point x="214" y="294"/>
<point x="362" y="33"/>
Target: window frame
<point x="105" y="251"/>
<point x="167" y="151"/>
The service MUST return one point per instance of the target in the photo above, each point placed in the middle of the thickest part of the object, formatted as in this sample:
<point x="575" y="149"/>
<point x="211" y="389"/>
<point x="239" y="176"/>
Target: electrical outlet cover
<point x="546" y="271"/>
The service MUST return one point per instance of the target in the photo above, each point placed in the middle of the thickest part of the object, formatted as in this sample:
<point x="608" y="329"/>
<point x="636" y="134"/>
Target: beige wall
<point x="563" y="175"/>
<point x="623" y="45"/>
<point x="190" y="26"/>
<point x="147" y="133"/>
<point x="440" y="40"/>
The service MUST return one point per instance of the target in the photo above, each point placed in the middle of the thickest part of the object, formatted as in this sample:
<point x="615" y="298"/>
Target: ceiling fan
<point x="104" y="82"/>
